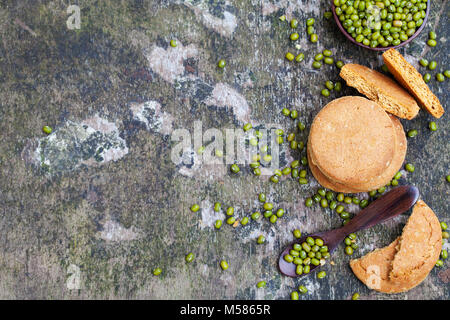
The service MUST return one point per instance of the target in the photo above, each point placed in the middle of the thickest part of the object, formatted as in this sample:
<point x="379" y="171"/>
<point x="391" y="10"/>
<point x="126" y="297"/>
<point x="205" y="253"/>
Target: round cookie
<point x="376" y="182"/>
<point x="395" y="165"/>
<point x="407" y="261"/>
<point x="353" y="140"/>
<point x="324" y="181"/>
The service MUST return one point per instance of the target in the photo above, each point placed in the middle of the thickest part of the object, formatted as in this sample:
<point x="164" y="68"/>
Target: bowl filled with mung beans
<point x="380" y="25"/>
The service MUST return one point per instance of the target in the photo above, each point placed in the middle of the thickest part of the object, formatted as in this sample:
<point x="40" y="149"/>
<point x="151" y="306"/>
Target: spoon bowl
<point x="386" y="207"/>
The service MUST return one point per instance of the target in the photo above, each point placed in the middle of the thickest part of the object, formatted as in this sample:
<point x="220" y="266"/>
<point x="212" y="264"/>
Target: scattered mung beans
<point x="289" y="56"/>
<point x="261" y="239"/>
<point x="294" y="36"/>
<point x="235" y="168"/>
<point x="300" y="57"/>
<point x="47" y="129"/>
<point x="189" y="257"/>
<point x="255" y="215"/>
<point x="432" y="65"/>
<point x="409" y="167"/>
<point x="224" y="265"/>
<point x="432" y="125"/>
<point x="440" y="77"/>
<point x="412" y="133"/>
<point x="157" y="271"/>
<point x="294" y="23"/>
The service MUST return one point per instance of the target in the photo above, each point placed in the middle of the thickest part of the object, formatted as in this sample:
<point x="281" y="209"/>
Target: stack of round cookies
<point x="355" y="146"/>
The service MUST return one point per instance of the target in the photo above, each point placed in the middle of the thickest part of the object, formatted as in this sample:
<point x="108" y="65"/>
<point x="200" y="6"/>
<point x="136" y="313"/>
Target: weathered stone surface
<point x="93" y="141"/>
<point x="100" y="198"/>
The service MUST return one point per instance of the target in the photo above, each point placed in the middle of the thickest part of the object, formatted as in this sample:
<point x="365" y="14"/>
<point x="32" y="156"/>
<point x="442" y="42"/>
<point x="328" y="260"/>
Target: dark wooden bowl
<point x="348" y="36"/>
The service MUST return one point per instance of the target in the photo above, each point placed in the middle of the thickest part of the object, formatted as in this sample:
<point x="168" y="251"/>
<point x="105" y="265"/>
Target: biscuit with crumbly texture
<point x="412" y="80"/>
<point x="377" y="181"/>
<point x="373" y="269"/>
<point x="408" y="260"/>
<point x="395" y="165"/>
<point x="352" y="140"/>
<point x="323" y="180"/>
<point x="419" y="246"/>
<point x="381" y="89"/>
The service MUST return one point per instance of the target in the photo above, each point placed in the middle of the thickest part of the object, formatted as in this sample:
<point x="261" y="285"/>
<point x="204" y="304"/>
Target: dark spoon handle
<point x="388" y="206"/>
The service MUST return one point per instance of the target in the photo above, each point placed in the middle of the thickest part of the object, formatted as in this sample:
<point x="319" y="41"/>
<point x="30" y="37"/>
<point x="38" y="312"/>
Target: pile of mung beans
<point x="381" y="23"/>
<point x="311" y="252"/>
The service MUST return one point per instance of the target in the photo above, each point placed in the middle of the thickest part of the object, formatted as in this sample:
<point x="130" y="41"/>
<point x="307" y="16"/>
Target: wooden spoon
<point x="388" y="206"/>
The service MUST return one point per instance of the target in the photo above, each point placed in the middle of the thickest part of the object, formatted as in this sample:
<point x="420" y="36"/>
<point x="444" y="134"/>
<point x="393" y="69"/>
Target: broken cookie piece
<point x="407" y="261"/>
<point x="381" y="89"/>
<point x="412" y="80"/>
<point x="419" y="246"/>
